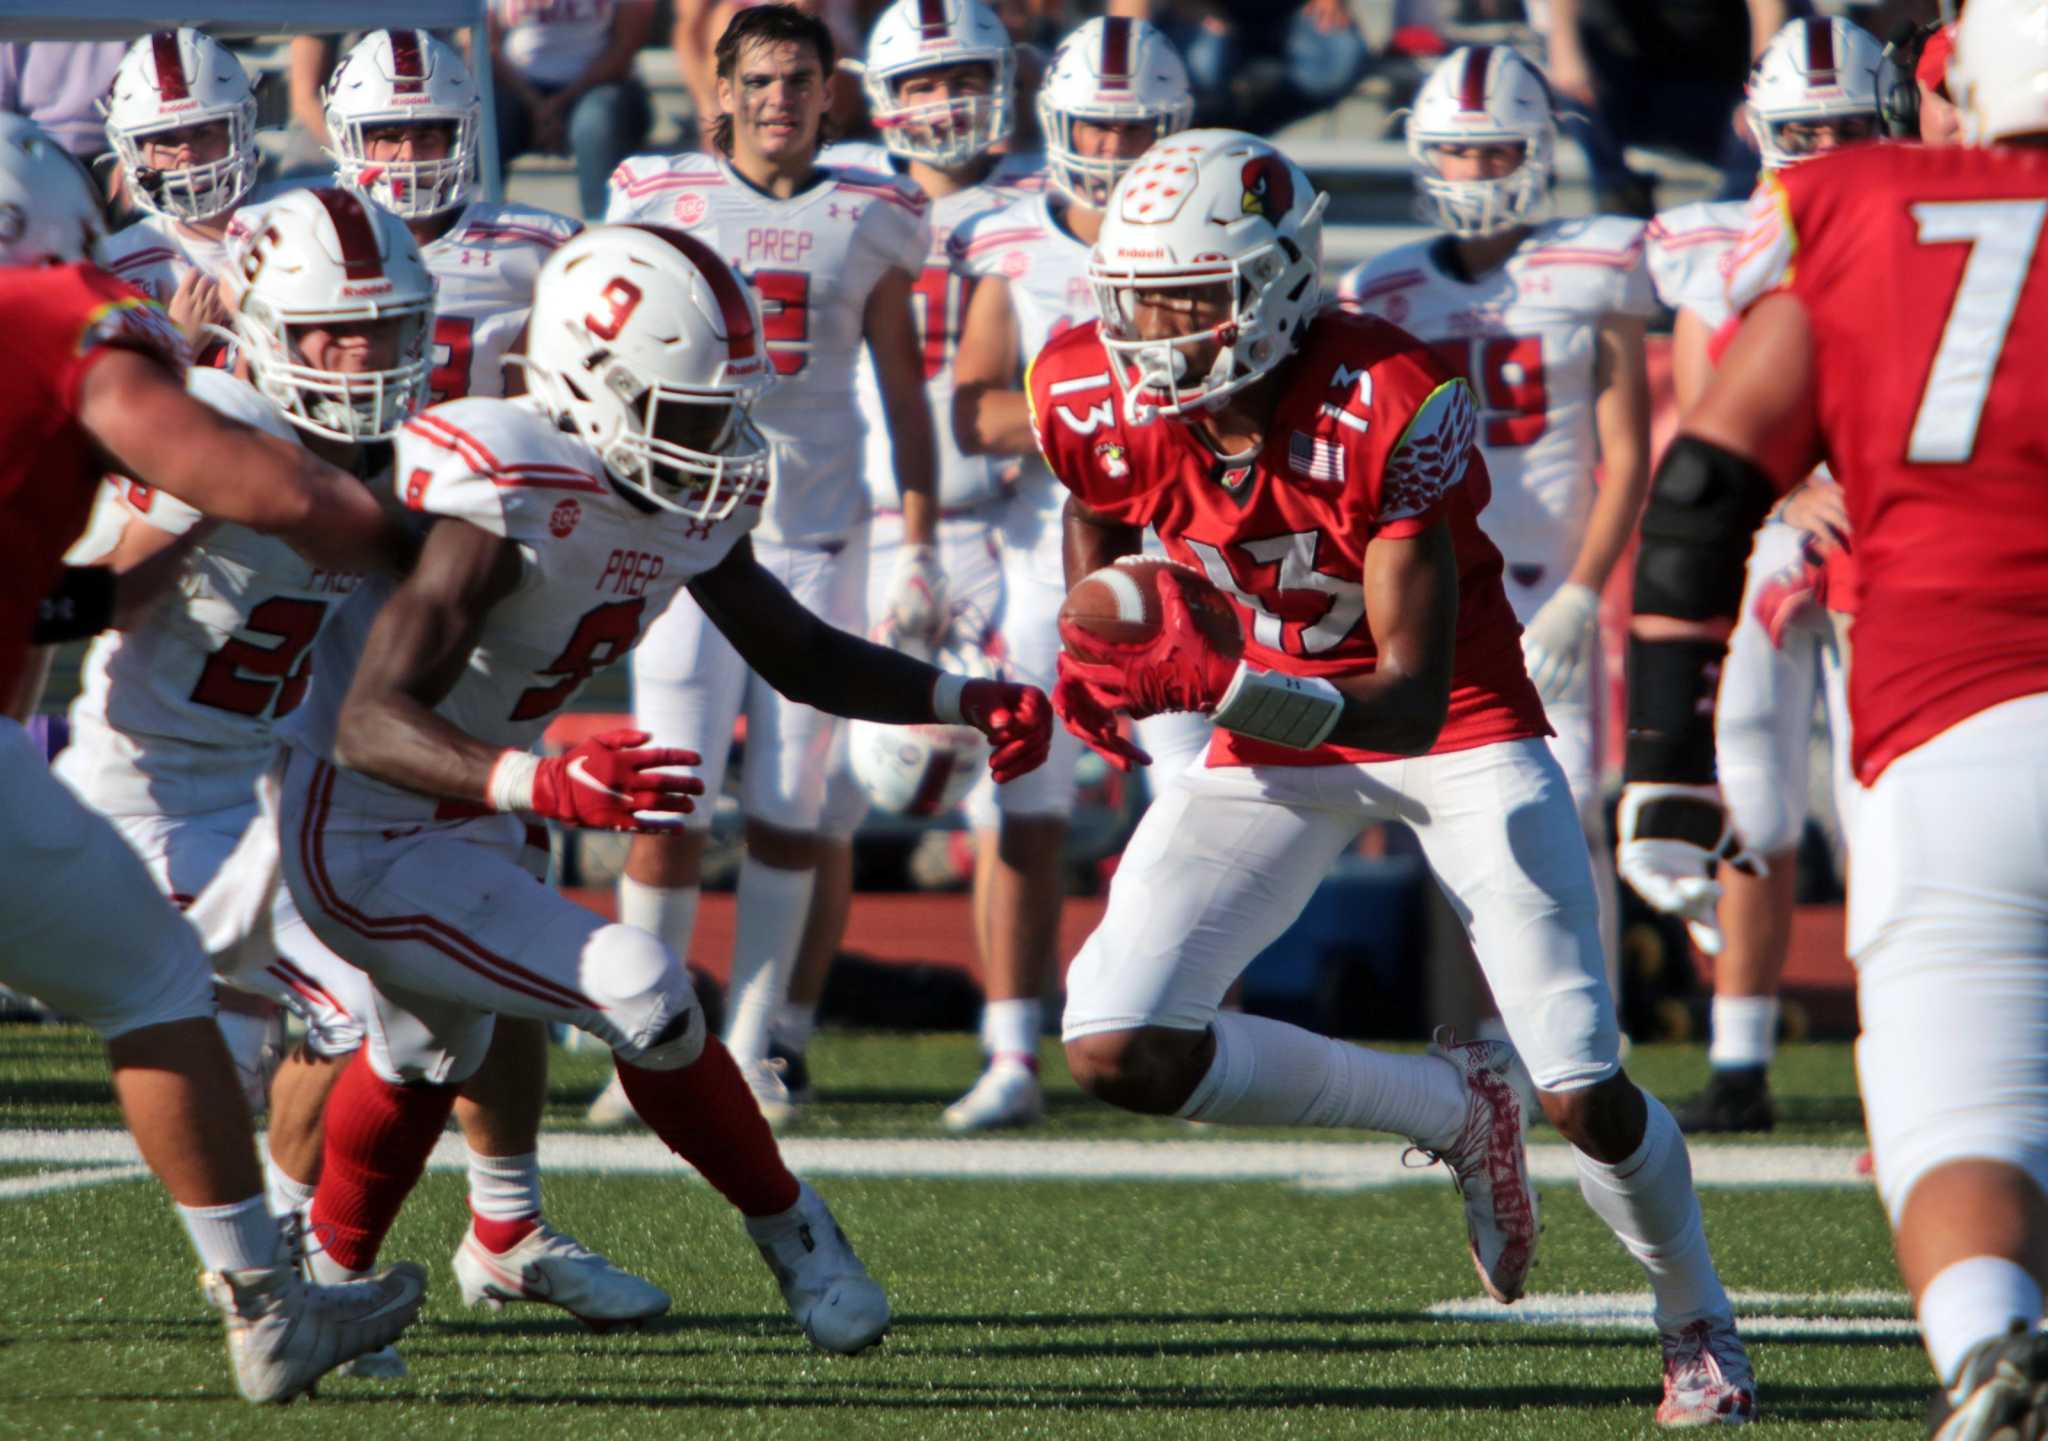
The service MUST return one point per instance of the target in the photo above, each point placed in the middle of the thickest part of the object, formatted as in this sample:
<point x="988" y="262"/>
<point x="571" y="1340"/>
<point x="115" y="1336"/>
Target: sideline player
<point x="834" y="255"/>
<point x="1546" y="321"/>
<point x="1114" y="87"/>
<point x="1929" y="410"/>
<point x="98" y="383"/>
<point x="561" y="523"/>
<point x="1396" y="692"/>
<point x="1815" y="88"/>
<point x="181" y="117"/>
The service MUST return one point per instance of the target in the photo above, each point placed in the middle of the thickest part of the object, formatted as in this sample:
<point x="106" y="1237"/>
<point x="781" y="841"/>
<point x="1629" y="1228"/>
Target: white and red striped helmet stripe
<point x="170" y="70"/>
<point x="358" y="237"/>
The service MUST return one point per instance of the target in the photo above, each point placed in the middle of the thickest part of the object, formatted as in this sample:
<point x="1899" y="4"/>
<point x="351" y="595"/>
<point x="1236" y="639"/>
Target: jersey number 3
<point x="2002" y="236"/>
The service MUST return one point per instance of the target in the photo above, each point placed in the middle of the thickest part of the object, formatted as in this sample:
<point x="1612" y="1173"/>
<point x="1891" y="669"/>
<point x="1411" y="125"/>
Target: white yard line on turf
<point x="44" y="1182"/>
<point x="1844" y="1313"/>
<point x="1365" y="1165"/>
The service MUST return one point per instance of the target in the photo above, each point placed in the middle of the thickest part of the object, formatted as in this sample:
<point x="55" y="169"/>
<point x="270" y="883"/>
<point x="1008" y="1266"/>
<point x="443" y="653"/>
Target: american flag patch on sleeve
<point x="1316" y="458"/>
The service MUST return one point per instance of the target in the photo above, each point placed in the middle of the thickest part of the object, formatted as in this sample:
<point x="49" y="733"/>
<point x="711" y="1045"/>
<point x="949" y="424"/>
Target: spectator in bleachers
<point x="565" y="84"/>
<point x="1665" y="75"/>
<point x="1259" y="65"/>
<point x="59" y="84"/>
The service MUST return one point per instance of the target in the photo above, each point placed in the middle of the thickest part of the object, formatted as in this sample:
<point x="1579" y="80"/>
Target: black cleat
<point x="1736" y="1099"/>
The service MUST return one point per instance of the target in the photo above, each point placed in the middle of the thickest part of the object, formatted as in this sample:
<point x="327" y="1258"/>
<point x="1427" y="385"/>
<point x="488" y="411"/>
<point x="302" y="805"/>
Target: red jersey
<point x="58" y="320"/>
<point x="1372" y="438"/>
<point x="1924" y="281"/>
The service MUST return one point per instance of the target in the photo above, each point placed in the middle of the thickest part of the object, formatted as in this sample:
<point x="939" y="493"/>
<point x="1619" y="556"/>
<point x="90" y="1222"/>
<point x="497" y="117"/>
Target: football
<point x="1120" y="603"/>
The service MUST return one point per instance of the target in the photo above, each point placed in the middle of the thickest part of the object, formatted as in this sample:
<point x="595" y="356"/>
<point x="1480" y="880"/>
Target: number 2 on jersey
<point x="2002" y="236"/>
<point x="245" y="679"/>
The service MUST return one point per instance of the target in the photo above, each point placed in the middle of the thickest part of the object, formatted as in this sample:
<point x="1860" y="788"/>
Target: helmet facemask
<point x="1157" y="374"/>
<point x="409" y="189"/>
<point x="1087" y="180"/>
<point x="949" y="134"/>
<point x="1785" y="140"/>
<point x="352" y="407"/>
<point x="1480" y="206"/>
<point x="202" y="191"/>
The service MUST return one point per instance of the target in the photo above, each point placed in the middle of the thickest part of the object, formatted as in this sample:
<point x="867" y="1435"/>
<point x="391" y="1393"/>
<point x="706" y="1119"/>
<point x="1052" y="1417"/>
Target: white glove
<point x="1659" y="853"/>
<point x="917" y="595"/>
<point x="1556" y="639"/>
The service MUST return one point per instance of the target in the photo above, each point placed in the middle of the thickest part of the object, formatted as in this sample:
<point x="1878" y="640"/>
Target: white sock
<point x="504" y="1188"/>
<point x="668" y="913"/>
<point x="773" y="906"/>
<point x="1745" y="1031"/>
<point x="1011" y="1028"/>
<point x="285" y="1194"/>
<point x="793" y="1026"/>
<point x="1971" y="1301"/>
<point x="1267" y="1073"/>
<point x="240" y="1236"/>
<point x="1649" y="1203"/>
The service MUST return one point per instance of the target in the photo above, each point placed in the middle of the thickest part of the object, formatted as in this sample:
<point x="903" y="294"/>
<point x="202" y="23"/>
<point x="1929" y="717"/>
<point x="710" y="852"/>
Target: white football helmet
<point x="1814" y="70"/>
<point x="1482" y="95"/>
<point x="914" y="35"/>
<point x="1998" y="74"/>
<point x="926" y="770"/>
<point x="49" y="210"/>
<point x="170" y="80"/>
<point x="646" y="341"/>
<point x="1112" y="71"/>
<point x="326" y="257"/>
<point x="400" y="77"/>
<point x="1212" y="208"/>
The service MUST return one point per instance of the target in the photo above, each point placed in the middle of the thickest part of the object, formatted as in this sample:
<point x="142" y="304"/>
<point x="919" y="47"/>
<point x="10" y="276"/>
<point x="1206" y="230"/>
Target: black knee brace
<point x="1705" y="506"/>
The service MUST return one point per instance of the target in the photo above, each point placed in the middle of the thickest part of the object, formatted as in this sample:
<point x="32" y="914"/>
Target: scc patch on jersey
<point x="562" y="519"/>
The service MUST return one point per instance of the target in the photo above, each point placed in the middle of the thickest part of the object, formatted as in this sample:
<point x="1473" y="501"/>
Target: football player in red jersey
<point x="1320" y="468"/>
<point x="98" y="384"/>
<point x="1926" y="408"/>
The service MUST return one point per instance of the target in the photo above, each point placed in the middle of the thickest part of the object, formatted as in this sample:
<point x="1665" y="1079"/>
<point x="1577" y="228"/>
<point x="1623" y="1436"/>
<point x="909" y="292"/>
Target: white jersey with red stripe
<point x="484" y="267"/>
<point x="1686" y="247"/>
<point x="814" y="259"/>
<point x="176" y="712"/>
<point x="1526" y="336"/>
<point x="156" y="253"/>
<point x="938" y="308"/>
<point x="596" y="567"/>
<point x="1046" y="268"/>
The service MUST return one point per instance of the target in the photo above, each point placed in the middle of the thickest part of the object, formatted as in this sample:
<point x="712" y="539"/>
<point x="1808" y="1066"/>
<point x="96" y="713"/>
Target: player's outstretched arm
<point x="990" y="414"/>
<point x="819" y="665"/>
<point x="1411" y="607"/>
<point x="137" y="410"/>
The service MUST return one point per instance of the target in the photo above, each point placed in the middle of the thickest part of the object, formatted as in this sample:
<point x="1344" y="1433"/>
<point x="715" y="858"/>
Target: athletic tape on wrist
<point x="1288" y="710"/>
<point x="946" y="692"/>
<point x="510" y="787"/>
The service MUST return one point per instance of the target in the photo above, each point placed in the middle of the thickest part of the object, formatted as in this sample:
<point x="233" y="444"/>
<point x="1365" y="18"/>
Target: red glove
<point x="1016" y="720"/>
<point x="1093" y="720"/>
<point x="599" y="783"/>
<point x="1177" y="670"/>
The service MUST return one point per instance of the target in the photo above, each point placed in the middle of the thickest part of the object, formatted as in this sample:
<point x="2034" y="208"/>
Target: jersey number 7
<point x="2002" y="236"/>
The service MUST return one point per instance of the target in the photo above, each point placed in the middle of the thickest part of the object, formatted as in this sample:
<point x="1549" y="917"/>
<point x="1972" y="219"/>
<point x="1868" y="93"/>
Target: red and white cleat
<point x="556" y="1270"/>
<point x="1707" y="1377"/>
<point x="1490" y="1166"/>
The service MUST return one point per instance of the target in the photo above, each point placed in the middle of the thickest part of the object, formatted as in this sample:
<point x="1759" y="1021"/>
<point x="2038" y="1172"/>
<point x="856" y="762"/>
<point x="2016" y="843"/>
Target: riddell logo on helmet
<point x="1140" y="252"/>
<point x="374" y="287"/>
<point x="563" y="519"/>
<point x="1268" y="188"/>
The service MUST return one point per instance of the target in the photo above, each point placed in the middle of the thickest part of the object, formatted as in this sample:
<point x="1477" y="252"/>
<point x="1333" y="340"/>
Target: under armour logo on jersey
<point x="833" y="208"/>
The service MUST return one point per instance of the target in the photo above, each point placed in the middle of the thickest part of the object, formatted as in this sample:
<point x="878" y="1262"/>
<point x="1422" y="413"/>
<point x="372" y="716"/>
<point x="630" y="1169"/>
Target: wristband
<point x="946" y="691"/>
<point x="510" y="787"/>
<point x="1289" y="710"/>
<point x="80" y="606"/>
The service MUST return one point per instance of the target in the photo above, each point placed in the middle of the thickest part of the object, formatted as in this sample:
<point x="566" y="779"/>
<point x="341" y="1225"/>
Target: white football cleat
<point x="383" y="1364"/>
<point x="2001" y="1391"/>
<point x="1007" y="1094"/>
<point x="831" y="1295"/>
<point x="284" y="1335"/>
<point x="1490" y="1166"/>
<point x="612" y="1108"/>
<point x="557" y="1270"/>
<point x="768" y="1081"/>
<point x="1707" y="1376"/>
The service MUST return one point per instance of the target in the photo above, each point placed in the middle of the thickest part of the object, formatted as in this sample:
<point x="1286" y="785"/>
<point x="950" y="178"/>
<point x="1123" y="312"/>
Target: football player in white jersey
<point x="561" y="524"/>
<point x="1114" y="87"/>
<point x="181" y="117"/>
<point x="833" y="255"/>
<point x="1546" y="319"/>
<point x="940" y="79"/>
<point x="1814" y="88"/>
<point x="403" y="112"/>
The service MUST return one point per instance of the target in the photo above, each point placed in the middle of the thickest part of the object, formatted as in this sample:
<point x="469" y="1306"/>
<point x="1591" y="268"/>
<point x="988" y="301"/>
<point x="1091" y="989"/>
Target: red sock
<point x="706" y="1115"/>
<point x="378" y="1139"/>
<point x="498" y="1237"/>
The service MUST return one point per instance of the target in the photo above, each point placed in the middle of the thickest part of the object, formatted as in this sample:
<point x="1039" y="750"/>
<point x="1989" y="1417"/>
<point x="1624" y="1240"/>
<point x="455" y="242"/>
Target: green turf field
<point x="1025" y="1307"/>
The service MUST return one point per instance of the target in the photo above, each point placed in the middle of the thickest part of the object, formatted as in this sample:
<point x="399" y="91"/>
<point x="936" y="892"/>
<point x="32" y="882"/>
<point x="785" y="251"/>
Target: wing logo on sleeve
<point x="134" y="320"/>
<point x="1431" y="455"/>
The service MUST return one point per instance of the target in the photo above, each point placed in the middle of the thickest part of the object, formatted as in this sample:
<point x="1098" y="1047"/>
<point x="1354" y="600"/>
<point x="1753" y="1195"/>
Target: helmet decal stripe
<point x="1820" y="52"/>
<point x="407" y="68"/>
<point x="740" y="341"/>
<point x="1472" y="84"/>
<point x="1116" y="53"/>
<point x="170" y="70"/>
<point x="931" y="19"/>
<point x="358" y="237"/>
